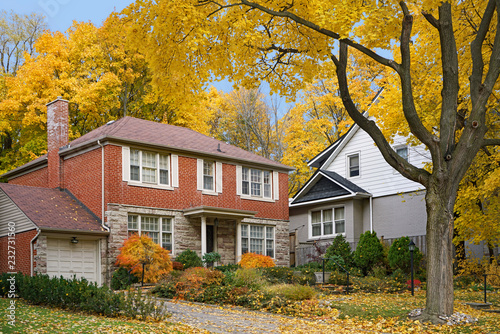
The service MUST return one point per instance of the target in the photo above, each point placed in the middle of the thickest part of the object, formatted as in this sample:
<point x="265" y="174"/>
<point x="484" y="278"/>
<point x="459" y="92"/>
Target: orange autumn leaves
<point x="138" y="250"/>
<point x="252" y="260"/>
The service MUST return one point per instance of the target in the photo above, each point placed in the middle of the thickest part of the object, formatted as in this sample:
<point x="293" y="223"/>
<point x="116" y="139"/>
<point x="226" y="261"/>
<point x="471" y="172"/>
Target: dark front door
<point x="210" y="238"/>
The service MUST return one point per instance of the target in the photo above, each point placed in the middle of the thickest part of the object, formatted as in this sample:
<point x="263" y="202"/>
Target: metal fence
<point x="305" y="253"/>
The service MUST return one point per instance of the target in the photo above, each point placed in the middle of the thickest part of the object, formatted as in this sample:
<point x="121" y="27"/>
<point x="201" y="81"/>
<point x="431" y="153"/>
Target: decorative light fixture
<point x="216" y="221"/>
<point x="411" y="247"/>
<point x="74" y="240"/>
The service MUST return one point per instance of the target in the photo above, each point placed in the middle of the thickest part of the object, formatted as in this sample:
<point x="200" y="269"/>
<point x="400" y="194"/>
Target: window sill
<point x="209" y="192"/>
<point x="260" y="199"/>
<point x="328" y="236"/>
<point x="149" y="185"/>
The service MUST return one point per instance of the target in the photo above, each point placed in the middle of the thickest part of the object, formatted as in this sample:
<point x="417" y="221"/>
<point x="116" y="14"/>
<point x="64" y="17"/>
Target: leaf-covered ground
<point x="356" y="313"/>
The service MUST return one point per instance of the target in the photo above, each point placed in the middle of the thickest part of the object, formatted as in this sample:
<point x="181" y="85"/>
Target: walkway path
<point x="224" y="319"/>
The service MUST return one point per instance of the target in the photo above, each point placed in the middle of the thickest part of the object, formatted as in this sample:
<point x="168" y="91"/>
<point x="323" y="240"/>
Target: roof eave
<point x="26" y="168"/>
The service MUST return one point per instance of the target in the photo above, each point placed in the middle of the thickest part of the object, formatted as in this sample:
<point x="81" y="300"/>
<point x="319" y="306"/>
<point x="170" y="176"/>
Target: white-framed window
<point x="402" y="151"/>
<point x="353" y="165"/>
<point x="208" y="175"/>
<point x="257" y="239"/>
<point x="160" y="229"/>
<point x="256" y="182"/>
<point x="149" y="167"/>
<point x="327" y="222"/>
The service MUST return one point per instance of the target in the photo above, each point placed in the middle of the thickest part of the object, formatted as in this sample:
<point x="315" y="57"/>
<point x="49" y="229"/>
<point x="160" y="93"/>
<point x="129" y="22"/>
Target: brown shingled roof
<point x="52" y="208"/>
<point x="174" y="137"/>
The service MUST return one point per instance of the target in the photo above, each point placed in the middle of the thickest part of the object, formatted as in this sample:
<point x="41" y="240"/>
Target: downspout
<point x="31" y="251"/>
<point x="371" y="214"/>
<point x="102" y="185"/>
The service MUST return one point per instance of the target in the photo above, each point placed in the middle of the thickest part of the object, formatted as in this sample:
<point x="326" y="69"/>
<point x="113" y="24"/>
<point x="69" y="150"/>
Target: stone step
<point x="479" y="306"/>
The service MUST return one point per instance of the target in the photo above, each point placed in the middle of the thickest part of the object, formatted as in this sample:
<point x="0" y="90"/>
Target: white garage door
<point x="68" y="260"/>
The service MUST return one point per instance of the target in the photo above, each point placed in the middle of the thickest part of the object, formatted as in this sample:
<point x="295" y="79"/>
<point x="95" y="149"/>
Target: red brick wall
<point x="187" y="195"/>
<point x="22" y="252"/>
<point x="82" y="177"/>
<point x="38" y="178"/>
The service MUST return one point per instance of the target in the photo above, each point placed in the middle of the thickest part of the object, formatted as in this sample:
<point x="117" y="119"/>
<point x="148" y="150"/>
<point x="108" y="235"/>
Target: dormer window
<point x="353" y="165"/>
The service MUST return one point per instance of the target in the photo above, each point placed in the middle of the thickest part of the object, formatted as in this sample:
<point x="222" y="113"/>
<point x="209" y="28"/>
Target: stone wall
<point x="40" y="258"/>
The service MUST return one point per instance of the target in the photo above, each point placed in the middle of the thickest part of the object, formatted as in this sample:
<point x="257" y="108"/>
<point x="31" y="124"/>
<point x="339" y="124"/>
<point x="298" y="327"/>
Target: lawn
<point x="38" y="319"/>
<point x="359" y="312"/>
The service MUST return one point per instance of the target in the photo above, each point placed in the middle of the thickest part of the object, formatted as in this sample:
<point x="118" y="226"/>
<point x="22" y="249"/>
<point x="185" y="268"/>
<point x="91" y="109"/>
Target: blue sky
<point x="60" y="14"/>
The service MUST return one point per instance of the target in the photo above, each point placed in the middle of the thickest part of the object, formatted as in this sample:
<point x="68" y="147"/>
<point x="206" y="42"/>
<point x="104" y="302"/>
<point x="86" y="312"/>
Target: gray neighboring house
<point x="355" y="190"/>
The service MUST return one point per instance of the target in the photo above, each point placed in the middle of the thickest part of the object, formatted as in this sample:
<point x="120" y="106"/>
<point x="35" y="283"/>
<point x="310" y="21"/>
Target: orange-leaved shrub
<point x="137" y="250"/>
<point x="195" y="280"/>
<point x="252" y="260"/>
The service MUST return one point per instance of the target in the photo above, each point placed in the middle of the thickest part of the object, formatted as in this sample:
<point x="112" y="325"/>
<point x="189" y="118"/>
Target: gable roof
<point x="52" y="209"/>
<point x="326" y="186"/>
<point x="135" y="130"/>
<point x="326" y="156"/>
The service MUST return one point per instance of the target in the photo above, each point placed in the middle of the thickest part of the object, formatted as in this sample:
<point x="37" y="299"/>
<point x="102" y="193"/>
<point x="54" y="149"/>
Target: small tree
<point x="141" y="251"/>
<point x="340" y="248"/>
<point x="399" y="255"/>
<point x="369" y="252"/>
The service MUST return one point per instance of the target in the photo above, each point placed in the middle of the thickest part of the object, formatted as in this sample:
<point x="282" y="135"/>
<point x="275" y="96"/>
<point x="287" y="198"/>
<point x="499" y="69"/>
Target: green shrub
<point x="374" y="284"/>
<point x="121" y="279"/>
<point x="369" y="252"/>
<point x="379" y="272"/>
<point x="304" y="277"/>
<point x="189" y="259"/>
<point x="210" y="258"/>
<point x="338" y="277"/>
<point x="228" y="267"/>
<point x="399" y="255"/>
<point x="165" y="290"/>
<point x="249" y="277"/>
<point x="399" y="276"/>
<point x="292" y="291"/>
<point x="277" y="275"/>
<point x="339" y="249"/>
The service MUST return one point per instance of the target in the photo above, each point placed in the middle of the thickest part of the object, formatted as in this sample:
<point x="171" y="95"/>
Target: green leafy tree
<point x="369" y="252"/>
<point x="340" y="248"/>
<point x="400" y="257"/>
<point x="189" y="259"/>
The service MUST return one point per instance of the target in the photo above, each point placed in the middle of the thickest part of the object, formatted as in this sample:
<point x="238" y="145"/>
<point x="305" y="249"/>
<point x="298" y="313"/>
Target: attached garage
<point x="68" y="259"/>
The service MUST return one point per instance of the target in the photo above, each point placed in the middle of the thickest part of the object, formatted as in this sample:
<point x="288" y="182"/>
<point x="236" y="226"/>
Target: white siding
<point x="376" y="175"/>
<point x="9" y="212"/>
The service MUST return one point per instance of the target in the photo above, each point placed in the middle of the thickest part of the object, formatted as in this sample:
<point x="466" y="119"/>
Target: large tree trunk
<point x="439" y="203"/>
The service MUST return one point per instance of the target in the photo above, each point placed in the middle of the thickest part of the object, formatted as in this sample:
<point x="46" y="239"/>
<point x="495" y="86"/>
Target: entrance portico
<point x="220" y="222"/>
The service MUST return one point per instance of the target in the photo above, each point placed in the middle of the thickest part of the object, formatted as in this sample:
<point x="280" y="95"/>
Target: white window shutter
<point x="199" y="174"/>
<point x="175" y="170"/>
<point x="238" y="180"/>
<point x="276" y="185"/>
<point x="218" y="177"/>
<point x="125" y="163"/>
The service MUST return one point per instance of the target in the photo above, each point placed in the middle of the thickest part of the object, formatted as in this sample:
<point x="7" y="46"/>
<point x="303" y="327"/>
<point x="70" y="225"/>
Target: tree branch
<point x="431" y="19"/>
<point x="401" y="165"/>
<point x="476" y="53"/>
<point x="410" y="112"/>
<point x="283" y="13"/>
<point x="491" y="142"/>
<point x="449" y="93"/>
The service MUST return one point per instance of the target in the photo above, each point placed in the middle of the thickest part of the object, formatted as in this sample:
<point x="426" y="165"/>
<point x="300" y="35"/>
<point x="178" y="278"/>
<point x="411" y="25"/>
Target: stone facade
<point x="40" y="258"/>
<point x="187" y="234"/>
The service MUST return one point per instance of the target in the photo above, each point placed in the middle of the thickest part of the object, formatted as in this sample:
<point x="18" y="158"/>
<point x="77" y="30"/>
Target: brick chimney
<point x="57" y="137"/>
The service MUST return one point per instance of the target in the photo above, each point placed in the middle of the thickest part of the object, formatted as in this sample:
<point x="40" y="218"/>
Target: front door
<point x="210" y="238"/>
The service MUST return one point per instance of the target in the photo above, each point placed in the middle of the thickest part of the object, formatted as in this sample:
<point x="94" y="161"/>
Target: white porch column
<point x="203" y="235"/>
<point x="238" y="240"/>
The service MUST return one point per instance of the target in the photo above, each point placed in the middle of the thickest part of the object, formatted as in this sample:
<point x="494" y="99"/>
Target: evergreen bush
<point x="189" y="259"/>
<point x="121" y="279"/>
<point x="399" y="255"/>
<point x="369" y="252"/>
<point x="340" y="248"/>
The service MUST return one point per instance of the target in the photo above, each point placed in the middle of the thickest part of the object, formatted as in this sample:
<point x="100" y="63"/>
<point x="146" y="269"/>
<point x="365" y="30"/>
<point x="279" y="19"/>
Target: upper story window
<point x="327" y="222"/>
<point x="208" y="175"/>
<point x="257" y="239"/>
<point x="149" y="167"/>
<point x="353" y="165"/>
<point x="402" y="151"/>
<point x="256" y="182"/>
<point x="157" y="228"/>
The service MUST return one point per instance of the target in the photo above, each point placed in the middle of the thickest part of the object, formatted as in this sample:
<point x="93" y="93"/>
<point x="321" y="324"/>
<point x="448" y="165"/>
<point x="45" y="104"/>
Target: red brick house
<point x="73" y="208"/>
